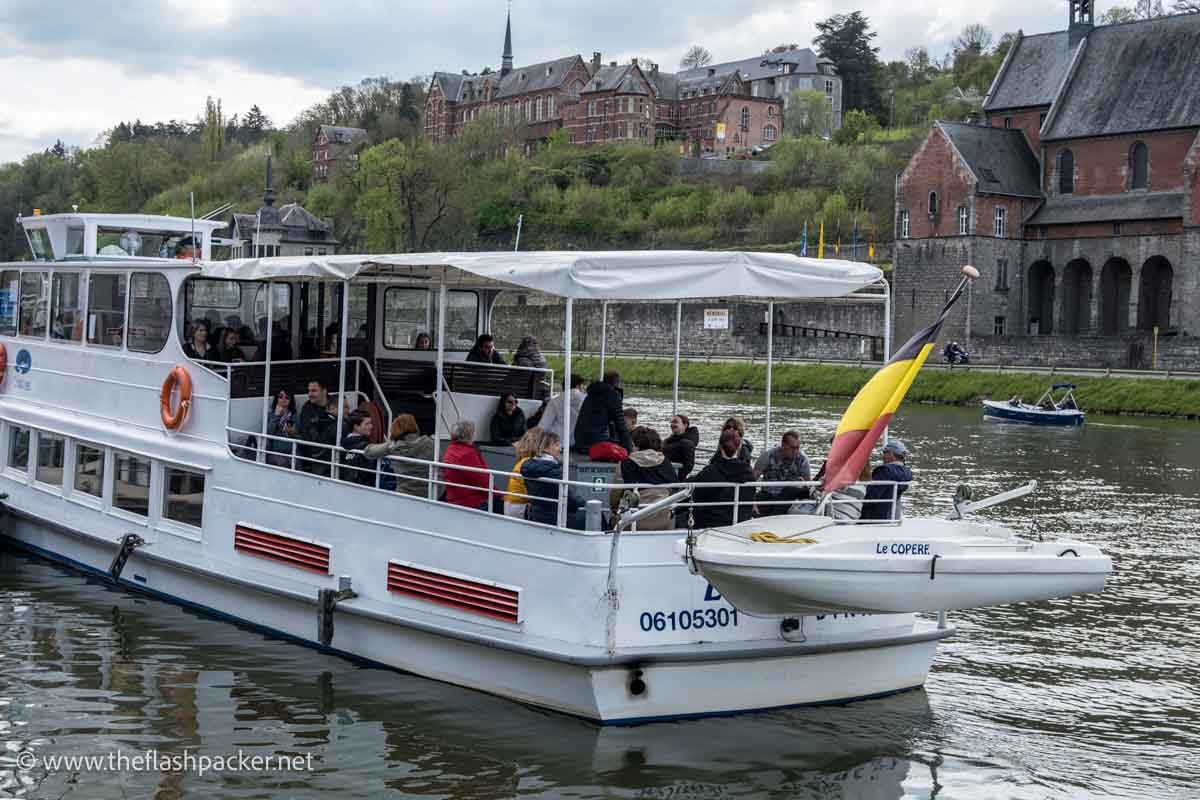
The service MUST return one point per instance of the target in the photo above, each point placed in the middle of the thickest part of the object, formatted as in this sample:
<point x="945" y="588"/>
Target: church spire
<point x="506" y="60"/>
<point x="269" y="193"/>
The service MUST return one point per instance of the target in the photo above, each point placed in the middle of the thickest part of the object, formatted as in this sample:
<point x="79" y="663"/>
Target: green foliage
<point x="845" y="39"/>
<point x="856" y="125"/>
<point x="808" y="114"/>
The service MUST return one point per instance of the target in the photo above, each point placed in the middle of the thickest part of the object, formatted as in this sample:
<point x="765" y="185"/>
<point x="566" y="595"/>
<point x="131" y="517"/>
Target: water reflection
<point x="1070" y="698"/>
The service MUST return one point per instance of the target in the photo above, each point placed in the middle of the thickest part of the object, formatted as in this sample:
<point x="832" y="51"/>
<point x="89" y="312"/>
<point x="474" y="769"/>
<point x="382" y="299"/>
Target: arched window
<point x="963" y="218"/>
<point x="904" y="224"/>
<point x="933" y="204"/>
<point x="528" y="108"/>
<point x="549" y="106"/>
<point x="1139" y="166"/>
<point x="745" y="118"/>
<point x="1066" y="172"/>
<point x="769" y="133"/>
<point x="537" y="113"/>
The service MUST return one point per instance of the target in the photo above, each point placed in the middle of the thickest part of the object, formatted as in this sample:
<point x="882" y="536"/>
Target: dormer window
<point x="933" y="204"/>
<point x="1139" y="166"/>
<point x="1066" y="172"/>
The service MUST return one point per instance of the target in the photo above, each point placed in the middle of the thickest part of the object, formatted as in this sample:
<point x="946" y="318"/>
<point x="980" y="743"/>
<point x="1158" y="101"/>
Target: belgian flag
<point x="872" y="408"/>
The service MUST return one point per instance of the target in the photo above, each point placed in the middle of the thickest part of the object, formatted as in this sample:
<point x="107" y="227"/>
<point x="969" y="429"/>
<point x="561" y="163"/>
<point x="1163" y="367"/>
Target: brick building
<point x="1078" y="200"/>
<point x="721" y="109"/>
<point x="333" y="144"/>
<point x="289" y="230"/>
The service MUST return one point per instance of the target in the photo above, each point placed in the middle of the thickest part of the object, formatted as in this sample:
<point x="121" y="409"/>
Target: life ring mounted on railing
<point x="173" y="417"/>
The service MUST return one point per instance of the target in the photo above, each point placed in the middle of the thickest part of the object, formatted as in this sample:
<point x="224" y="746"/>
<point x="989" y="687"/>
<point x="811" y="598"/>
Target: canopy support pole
<point x="267" y="406"/>
<point x="887" y="331"/>
<point x="770" y="365"/>
<point x="564" y="490"/>
<point x="438" y="399"/>
<point x="342" y="367"/>
<point x="675" y="383"/>
<point x="603" y="338"/>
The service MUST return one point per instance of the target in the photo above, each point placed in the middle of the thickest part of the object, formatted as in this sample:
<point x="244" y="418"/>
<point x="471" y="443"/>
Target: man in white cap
<point x="886" y="499"/>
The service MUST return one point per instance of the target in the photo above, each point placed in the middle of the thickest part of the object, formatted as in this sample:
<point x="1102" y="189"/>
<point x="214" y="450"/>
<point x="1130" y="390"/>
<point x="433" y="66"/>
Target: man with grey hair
<point x="883" y="502"/>
<point x="461" y="483"/>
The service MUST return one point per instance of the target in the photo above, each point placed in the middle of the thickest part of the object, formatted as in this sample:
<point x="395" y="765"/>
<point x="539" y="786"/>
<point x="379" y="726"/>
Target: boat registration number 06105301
<point x="688" y="619"/>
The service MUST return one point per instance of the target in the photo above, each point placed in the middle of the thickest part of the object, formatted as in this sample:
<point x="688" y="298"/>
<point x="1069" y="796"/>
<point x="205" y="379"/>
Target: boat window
<point x="18" y="447"/>
<point x="106" y="310"/>
<point x="51" y="453"/>
<point x="131" y="242"/>
<point x="39" y="242"/>
<point x="66" y="307"/>
<point x="74" y="240"/>
<point x="206" y="293"/>
<point x="89" y="470"/>
<point x="406" y="315"/>
<point x="462" y="320"/>
<point x="184" y="498"/>
<point x="281" y="298"/>
<point x="33" y="304"/>
<point x="149" y="312"/>
<point x="131" y="484"/>
<point x="10" y="293"/>
<point x="359" y="299"/>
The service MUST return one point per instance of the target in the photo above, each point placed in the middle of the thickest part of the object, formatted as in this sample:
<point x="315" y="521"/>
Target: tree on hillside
<point x="783" y="48"/>
<point x="696" y="56"/>
<point x="974" y="37"/>
<point x="411" y="189"/>
<point x="845" y="39"/>
<point x="256" y="124"/>
<point x="808" y="113"/>
<point x="1117" y="15"/>
<point x="213" y="137"/>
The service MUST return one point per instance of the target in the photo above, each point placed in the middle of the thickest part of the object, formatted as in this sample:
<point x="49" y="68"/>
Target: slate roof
<point x="450" y="83"/>
<point x="621" y="78"/>
<point x="342" y="135"/>
<point x="666" y="83"/>
<point x="531" y="78"/>
<point x="999" y="157"/>
<point x="1139" y="76"/>
<point x="764" y="66"/>
<point x="1103" y="208"/>
<point x="1035" y="68"/>
<point x="296" y="221"/>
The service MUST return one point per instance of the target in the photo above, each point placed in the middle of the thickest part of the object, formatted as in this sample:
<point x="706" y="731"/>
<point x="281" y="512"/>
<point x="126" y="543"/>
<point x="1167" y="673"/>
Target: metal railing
<point x="744" y="501"/>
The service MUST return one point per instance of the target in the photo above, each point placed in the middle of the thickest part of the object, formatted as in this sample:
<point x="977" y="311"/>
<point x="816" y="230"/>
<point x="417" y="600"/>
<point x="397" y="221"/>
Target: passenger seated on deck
<point x="727" y="466"/>
<point x="787" y="462"/>
<point x="680" y="446"/>
<point x="739" y="425"/>
<point x="508" y="423"/>
<point x="601" y="421"/>
<point x="228" y="350"/>
<point x="422" y="342"/>
<point x="318" y="424"/>
<point x="357" y="468"/>
<point x="646" y="464"/>
<point x="516" y="501"/>
<point x="197" y="345"/>
<point x="405" y="440"/>
<point x="485" y="351"/>
<point x="845" y="505"/>
<point x="281" y="423"/>
<point x="463" y="452"/>
<point x="894" y="469"/>
<point x="539" y="473"/>
<point x="529" y="354"/>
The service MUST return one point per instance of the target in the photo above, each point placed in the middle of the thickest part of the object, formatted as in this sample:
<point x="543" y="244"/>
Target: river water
<point x="1090" y="697"/>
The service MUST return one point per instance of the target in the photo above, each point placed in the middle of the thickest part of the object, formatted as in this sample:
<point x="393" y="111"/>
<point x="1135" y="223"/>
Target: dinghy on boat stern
<point x="913" y="565"/>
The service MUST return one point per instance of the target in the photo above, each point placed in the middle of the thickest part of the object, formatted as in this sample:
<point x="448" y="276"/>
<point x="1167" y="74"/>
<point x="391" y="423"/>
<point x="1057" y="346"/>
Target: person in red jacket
<point x="463" y="452"/>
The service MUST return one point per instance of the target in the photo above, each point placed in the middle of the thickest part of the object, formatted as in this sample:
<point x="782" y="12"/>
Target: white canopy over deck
<point x="666" y="275"/>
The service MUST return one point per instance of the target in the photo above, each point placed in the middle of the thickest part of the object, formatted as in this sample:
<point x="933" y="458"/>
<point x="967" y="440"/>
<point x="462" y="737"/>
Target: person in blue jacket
<point x="887" y="498"/>
<point x="539" y="473"/>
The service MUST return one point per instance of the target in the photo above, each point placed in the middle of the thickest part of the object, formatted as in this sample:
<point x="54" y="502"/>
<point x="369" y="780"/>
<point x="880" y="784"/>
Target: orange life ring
<point x="172" y="419"/>
<point x="3" y="362"/>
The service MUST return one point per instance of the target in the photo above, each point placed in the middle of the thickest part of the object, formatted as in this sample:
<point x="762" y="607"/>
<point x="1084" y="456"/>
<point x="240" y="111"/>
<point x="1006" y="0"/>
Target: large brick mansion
<point x="721" y="109"/>
<point x="1078" y="199"/>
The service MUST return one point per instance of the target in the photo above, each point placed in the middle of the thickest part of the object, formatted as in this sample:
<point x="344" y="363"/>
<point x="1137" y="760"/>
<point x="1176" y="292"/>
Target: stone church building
<point x="1077" y="198"/>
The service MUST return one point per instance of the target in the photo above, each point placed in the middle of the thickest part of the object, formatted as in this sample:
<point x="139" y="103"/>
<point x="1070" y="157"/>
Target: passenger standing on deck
<point x="317" y="424"/>
<point x="485" y="351"/>
<point x="601" y="421"/>
<point x="887" y="498"/>
<point x="508" y="423"/>
<point x="738" y="425"/>
<point x="552" y="417"/>
<point x="680" y="446"/>
<point x="405" y="441"/>
<point x="727" y="466"/>
<point x="463" y="452"/>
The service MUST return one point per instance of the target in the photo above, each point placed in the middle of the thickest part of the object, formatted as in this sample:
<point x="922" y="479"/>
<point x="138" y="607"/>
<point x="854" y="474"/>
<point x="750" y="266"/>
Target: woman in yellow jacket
<point x="516" y="501"/>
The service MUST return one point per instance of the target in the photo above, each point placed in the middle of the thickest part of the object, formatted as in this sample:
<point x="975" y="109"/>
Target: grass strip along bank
<point x="1101" y="395"/>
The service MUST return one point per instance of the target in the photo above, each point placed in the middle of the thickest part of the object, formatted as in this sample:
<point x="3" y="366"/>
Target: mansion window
<point x="1001" y="274"/>
<point x="933" y="204"/>
<point x="550" y="106"/>
<point x="1001" y="221"/>
<point x="769" y="133"/>
<point x="1139" y="166"/>
<point x="537" y="114"/>
<point x="828" y="87"/>
<point x="963" y="217"/>
<point x="591" y="108"/>
<point x="1066" y="172"/>
<point x="998" y="326"/>
<point x="905" y="230"/>
<point x="745" y="119"/>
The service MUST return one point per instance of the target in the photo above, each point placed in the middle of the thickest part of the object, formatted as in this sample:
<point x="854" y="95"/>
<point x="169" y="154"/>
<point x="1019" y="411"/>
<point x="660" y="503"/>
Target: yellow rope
<point x="766" y="537"/>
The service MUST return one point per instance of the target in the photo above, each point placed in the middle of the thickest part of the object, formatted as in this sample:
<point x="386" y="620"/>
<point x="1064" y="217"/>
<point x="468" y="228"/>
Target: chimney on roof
<point x="654" y="69"/>
<point x="595" y="62"/>
<point x="269" y="192"/>
<point x="506" y="60"/>
<point x="633" y="61"/>
<point x="1081" y="21"/>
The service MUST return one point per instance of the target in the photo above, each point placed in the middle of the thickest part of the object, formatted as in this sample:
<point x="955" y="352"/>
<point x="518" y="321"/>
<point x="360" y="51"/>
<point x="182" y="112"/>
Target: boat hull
<point x="913" y="566"/>
<point x="1031" y="416"/>
<point x="629" y="687"/>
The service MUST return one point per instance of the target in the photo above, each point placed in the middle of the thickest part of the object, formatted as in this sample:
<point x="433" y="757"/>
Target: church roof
<point x="1058" y="210"/>
<point x="1032" y="72"/>
<point x="338" y="134"/>
<point x="621" y="78"/>
<point x="1140" y="76"/>
<point x="999" y="158"/>
<point x="764" y="66"/>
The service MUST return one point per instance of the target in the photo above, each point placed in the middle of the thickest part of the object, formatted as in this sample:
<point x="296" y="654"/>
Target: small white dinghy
<point x="910" y="566"/>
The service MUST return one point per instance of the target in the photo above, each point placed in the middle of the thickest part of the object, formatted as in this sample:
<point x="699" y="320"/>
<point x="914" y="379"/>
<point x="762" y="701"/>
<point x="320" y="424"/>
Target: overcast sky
<point x="74" y="69"/>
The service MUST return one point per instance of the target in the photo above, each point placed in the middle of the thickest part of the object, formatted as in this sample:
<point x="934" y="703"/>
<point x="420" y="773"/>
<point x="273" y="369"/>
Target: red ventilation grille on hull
<point x="284" y="549"/>
<point x="465" y="594"/>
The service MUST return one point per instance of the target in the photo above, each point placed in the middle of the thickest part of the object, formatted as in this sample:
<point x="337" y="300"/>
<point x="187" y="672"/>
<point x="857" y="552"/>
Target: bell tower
<point x="1081" y="21"/>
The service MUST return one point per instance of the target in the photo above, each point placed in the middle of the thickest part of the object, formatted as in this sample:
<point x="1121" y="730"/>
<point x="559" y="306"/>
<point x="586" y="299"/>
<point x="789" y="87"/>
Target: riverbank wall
<point x="962" y="386"/>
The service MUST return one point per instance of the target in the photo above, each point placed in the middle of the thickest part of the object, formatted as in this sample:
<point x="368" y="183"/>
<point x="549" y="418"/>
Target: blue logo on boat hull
<point x="24" y="362"/>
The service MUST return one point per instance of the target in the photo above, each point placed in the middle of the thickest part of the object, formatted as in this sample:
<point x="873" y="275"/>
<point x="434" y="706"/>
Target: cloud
<point x="158" y="59"/>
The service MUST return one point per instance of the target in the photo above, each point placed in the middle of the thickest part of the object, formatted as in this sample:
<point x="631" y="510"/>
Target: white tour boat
<point x="123" y="457"/>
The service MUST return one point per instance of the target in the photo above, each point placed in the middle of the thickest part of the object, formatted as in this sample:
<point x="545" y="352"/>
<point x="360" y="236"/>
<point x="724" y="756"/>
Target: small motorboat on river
<point x="1046" y="411"/>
